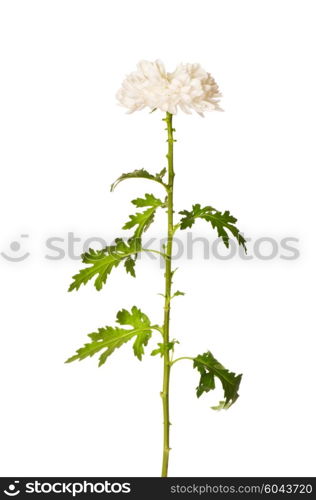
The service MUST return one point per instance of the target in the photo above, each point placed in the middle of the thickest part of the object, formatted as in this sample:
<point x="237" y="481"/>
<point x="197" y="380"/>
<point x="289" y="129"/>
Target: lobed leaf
<point x="209" y="368"/>
<point x="219" y="221"/>
<point x="110" y="338"/>
<point x="135" y="318"/>
<point x="129" y="265"/>
<point x="149" y="201"/>
<point x="142" y="220"/>
<point x="103" y="261"/>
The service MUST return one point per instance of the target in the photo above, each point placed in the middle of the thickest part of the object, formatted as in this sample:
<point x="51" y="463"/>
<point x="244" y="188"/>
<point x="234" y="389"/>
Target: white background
<point x="63" y="141"/>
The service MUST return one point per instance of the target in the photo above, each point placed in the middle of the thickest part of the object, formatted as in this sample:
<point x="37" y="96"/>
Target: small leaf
<point x="140" y="174"/>
<point x="103" y="261"/>
<point x="178" y="293"/>
<point x="219" y="221"/>
<point x="210" y="368"/>
<point x="163" y="348"/>
<point x="174" y="271"/>
<point x="161" y="174"/>
<point x="130" y="266"/>
<point x="108" y="339"/>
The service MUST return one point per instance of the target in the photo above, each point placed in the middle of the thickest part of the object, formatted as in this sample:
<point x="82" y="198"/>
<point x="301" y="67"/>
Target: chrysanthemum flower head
<point x="188" y="88"/>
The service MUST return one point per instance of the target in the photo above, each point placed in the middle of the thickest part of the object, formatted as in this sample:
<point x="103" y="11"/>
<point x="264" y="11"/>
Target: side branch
<point x="165" y="256"/>
<point x="180" y="359"/>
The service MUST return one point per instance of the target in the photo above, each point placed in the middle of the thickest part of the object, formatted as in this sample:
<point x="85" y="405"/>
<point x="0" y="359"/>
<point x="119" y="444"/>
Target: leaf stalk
<point x="180" y="359"/>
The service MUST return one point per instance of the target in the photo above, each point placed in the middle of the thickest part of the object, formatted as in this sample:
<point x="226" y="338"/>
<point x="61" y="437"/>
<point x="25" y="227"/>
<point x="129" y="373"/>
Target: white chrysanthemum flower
<point x="188" y="87"/>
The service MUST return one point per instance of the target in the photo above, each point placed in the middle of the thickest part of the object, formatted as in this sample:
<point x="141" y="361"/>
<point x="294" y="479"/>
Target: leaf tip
<point x="71" y="359"/>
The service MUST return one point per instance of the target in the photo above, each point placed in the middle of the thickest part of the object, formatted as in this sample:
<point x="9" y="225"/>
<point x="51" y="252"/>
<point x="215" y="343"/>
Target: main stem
<point x="168" y="283"/>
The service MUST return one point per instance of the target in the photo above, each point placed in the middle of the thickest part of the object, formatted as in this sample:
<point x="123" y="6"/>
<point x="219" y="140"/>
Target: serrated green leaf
<point x="209" y="368"/>
<point x="140" y="174"/>
<point x="110" y="338"/>
<point x="219" y="221"/>
<point x="142" y="220"/>
<point x="149" y="201"/>
<point x="105" y="339"/>
<point x="135" y="318"/>
<point x="130" y="266"/>
<point x="140" y="322"/>
<point x="163" y="348"/>
<point x="103" y="261"/>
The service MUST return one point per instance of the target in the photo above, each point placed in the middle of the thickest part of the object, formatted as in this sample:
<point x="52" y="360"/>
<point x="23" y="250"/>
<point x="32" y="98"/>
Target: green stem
<point x="168" y="283"/>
